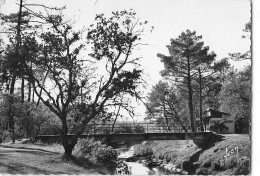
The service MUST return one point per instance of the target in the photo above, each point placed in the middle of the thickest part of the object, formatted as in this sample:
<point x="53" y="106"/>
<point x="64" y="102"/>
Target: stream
<point x="138" y="167"/>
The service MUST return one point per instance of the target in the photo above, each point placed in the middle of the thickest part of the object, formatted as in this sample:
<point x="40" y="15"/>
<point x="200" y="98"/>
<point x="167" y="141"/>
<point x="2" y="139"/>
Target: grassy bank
<point x="212" y="160"/>
<point x="42" y="159"/>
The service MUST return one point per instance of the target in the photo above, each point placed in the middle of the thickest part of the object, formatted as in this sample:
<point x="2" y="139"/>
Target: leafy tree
<point x="187" y="54"/>
<point x="247" y="55"/>
<point x="113" y="41"/>
<point x="14" y="58"/>
<point x="207" y="80"/>
<point x="164" y="103"/>
<point x="9" y="105"/>
<point x="29" y="121"/>
<point x="235" y="96"/>
<point x="18" y="26"/>
<point x="33" y="120"/>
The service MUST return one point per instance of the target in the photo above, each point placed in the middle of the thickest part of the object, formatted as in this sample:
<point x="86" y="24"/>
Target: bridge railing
<point x="133" y="128"/>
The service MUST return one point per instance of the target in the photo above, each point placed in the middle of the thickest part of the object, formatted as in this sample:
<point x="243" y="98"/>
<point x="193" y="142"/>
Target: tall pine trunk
<point x="10" y="115"/>
<point x="190" y="97"/>
<point x="200" y="99"/>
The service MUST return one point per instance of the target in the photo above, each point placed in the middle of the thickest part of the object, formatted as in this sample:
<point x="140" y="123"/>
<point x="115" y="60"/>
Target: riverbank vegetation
<point x="227" y="157"/>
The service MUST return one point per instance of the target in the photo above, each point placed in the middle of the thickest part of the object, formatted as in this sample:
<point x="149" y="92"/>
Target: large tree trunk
<point x="64" y="138"/>
<point x="67" y="143"/>
<point x="190" y="98"/>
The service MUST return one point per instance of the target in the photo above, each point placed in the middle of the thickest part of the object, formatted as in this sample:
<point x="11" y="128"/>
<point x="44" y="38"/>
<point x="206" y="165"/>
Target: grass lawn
<point x="186" y="155"/>
<point x="38" y="159"/>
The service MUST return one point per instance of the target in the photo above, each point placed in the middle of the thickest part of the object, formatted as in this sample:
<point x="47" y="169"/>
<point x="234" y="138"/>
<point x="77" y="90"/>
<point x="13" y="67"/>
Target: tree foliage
<point x="28" y="120"/>
<point x="72" y="83"/>
<point x="166" y="105"/>
<point x="235" y="97"/>
<point x="187" y="54"/>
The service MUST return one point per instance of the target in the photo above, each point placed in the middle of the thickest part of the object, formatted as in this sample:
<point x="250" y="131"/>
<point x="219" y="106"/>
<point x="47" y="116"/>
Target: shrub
<point x="139" y="129"/>
<point x="203" y="171"/>
<point x="89" y="146"/>
<point x="232" y="162"/>
<point x="215" y="165"/>
<point x="107" y="155"/>
<point x="243" y="166"/>
<point x="101" y="152"/>
<point x="123" y="168"/>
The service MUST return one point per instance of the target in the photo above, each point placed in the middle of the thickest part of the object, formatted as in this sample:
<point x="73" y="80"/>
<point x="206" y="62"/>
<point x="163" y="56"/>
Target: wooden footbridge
<point x="139" y="132"/>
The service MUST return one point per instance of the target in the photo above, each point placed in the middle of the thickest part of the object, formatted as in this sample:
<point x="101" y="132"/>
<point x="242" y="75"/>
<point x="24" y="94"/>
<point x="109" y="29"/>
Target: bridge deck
<point x="137" y="132"/>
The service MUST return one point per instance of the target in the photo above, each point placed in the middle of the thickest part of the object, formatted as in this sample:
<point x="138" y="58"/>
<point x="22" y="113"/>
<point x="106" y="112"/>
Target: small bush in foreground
<point x="107" y="155"/>
<point x="89" y="146"/>
<point x="123" y="168"/>
<point x="98" y="151"/>
<point x="243" y="167"/>
<point x="203" y="171"/>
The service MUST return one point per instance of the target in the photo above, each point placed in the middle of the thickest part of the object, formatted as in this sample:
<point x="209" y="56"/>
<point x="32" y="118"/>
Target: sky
<point x="220" y="22"/>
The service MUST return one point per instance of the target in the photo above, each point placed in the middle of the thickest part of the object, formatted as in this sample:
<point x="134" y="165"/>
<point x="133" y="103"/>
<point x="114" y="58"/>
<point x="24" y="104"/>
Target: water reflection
<point x="137" y="168"/>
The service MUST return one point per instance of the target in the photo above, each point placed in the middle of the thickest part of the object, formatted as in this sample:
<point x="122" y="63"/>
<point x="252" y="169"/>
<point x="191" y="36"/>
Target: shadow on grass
<point x="27" y="148"/>
<point x="87" y="164"/>
<point x="190" y="165"/>
<point x="23" y="168"/>
<point x="15" y="168"/>
<point x="29" y="152"/>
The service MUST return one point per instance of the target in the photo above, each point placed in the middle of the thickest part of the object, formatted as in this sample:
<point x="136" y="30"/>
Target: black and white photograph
<point x="127" y="87"/>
